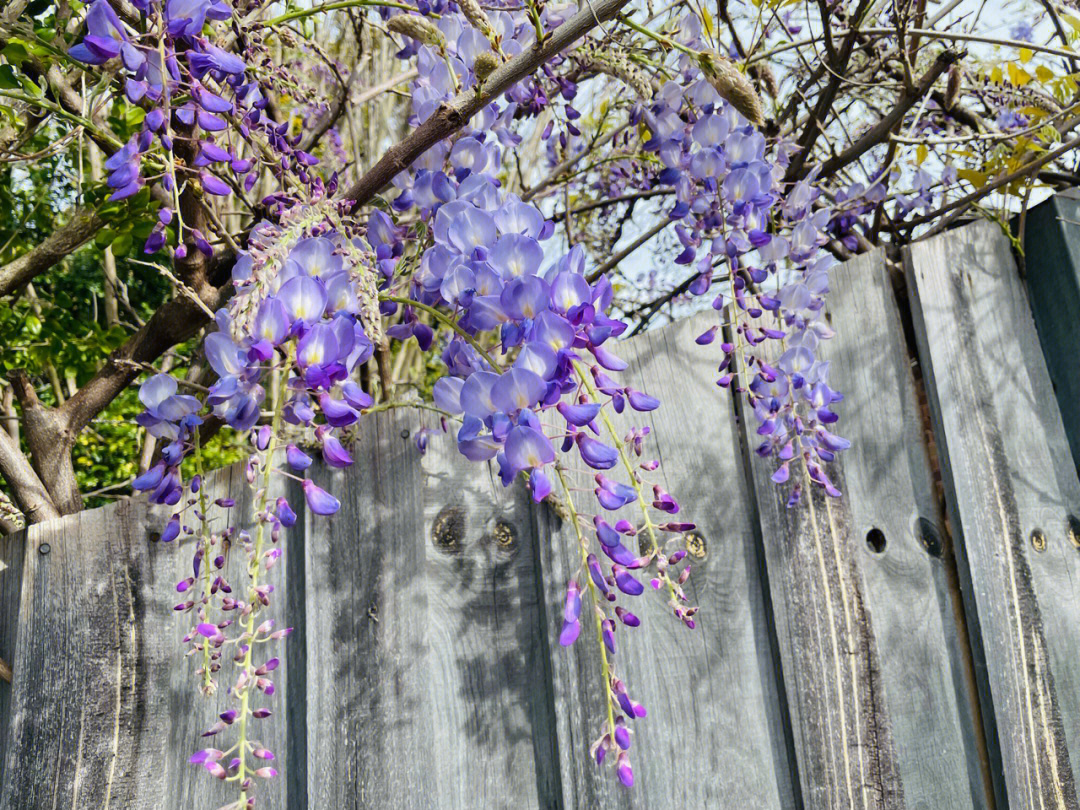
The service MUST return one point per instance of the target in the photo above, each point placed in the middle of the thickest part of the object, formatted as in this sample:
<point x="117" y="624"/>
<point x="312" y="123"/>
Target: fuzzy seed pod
<point x="477" y="16"/>
<point x="732" y="85"/>
<point x="952" y="87"/>
<point x="763" y="74"/>
<point x="418" y="28"/>
<point x="619" y="67"/>
<point x="485" y="65"/>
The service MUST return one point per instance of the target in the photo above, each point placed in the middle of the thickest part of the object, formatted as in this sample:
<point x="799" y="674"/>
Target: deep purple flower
<point x="297" y="458"/>
<point x="596" y="454"/>
<point x="318" y="499"/>
<point x="104" y="37"/>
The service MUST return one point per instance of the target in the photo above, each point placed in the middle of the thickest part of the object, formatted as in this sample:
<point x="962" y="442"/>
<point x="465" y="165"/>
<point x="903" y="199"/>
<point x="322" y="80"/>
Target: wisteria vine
<point x="471" y="271"/>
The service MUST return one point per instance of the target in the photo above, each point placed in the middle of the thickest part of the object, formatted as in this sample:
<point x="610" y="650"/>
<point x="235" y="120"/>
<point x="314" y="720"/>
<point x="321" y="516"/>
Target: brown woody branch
<point x="82" y="226"/>
<point x="909" y="97"/>
<point x="453" y="115"/>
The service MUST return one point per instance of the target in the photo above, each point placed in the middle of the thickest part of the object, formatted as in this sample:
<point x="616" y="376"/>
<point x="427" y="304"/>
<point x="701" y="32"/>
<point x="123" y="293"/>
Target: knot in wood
<point x="695" y="545"/>
<point x="448" y="529"/>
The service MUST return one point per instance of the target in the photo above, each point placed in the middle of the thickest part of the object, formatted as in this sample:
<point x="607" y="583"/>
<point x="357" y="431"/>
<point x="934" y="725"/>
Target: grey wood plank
<point x="1012" y="490"/>
<point x="106" y="711"/>
<point x="187" y="712"/>
<point x="11" y="568"/>
<point x="880" y="712"/>
<point x="714" y="734"/>
<point x="910" y="602"/>
<point x="1052" y="248"/>
<point x="423" y="608"/>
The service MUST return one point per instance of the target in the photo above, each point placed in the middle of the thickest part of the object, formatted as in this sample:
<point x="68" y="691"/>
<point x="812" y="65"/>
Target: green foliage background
<point x="65" y="325"/>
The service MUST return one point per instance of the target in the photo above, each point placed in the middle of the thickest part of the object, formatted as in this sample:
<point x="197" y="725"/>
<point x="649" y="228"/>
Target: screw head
<point x="44" y="548"/>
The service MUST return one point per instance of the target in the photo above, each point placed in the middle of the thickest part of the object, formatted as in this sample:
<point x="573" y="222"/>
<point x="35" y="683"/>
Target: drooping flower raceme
<point x="470" y="270"/>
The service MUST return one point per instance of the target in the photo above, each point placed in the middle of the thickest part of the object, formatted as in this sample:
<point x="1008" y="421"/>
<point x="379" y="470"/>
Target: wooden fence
<point x="913" y="645"/>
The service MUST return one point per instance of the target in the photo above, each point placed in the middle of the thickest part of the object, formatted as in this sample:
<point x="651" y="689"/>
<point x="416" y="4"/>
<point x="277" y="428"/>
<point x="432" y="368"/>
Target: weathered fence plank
<point x="424" y="678"/>
<point x="1013" y="498"/>
<point x="1052" y="249"/>
<point x="828" y="669"/>
<point x="11" y="566"/>
<point x="864" y="614"/>
<point x="104" y="709"/>
<point x="714" y="736"/>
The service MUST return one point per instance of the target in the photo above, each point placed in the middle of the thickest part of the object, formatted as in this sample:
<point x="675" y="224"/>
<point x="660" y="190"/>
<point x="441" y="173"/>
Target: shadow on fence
<point x="912" y="645"/>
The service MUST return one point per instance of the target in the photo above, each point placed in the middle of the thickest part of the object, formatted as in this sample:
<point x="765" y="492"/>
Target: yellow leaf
<point x="1043" y="73"/>
<point x="920" y="154"/>
<point x="1071" y="20"/>
<point x="996" y="75"/>
<point x="1025" y="54"/>
<point x="977" y="179"/>
<point x="706" y="18"/>
<point x="1018" y="77"/>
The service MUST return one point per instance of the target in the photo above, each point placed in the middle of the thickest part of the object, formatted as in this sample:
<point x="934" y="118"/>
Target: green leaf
<point x="122" y="244"/>
<point x="8" y="79"/>
<point x="104" y="237"/>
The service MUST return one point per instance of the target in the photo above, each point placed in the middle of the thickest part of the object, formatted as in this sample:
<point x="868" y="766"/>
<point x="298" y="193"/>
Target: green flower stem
<point x="56" y="109"/>
<point x="204" y="539"/>
<point x="308" y="12"/>
<point x="620" y="446"/>
<point x="443" y="319"/>
<point x="667" y="42"/>
<point x="255" y="568"/>
<point x="605" y="666"/>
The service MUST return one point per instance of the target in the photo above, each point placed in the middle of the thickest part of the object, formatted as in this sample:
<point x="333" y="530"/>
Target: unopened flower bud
<point x="485" y="65"/>
<point x="732" y="85"/>
<point x="418" y="28"/>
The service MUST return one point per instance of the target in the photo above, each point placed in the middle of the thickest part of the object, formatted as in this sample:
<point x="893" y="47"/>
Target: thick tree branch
<point x="173" y="322"/>
<point x="452" y="116"/>
<point x="26" y="488"/>
<point x="880" y="131"/>
<point x="82" y="226"/>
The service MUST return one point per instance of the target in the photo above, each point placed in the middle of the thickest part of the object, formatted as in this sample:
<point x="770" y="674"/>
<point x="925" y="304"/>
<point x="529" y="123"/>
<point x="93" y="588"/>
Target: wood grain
<point x="105" y="710"/>
<point x="1011" y="489"/>
<point x="1052" y="249"/>
<point x="423" y="673"/>
<point x="714" y="736"/>
<point x="866" y="631"/>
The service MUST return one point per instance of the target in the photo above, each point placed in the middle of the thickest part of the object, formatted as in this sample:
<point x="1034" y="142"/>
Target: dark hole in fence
<point x="875" y="539"/>
<point x="928" y="536"/>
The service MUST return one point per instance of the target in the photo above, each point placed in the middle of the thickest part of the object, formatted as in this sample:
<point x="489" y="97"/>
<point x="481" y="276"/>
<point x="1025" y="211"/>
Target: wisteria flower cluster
<point x="473" y="273"/>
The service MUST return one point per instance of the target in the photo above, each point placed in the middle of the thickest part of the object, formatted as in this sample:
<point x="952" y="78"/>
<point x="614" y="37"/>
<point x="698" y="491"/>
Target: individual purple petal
<point x="528" y="449"/>
<point x="579" y="415"/>
<point x="319" y="347"/>
<point x="212" y="185"/>
<point x="356" y="396"/>
<point x="285" y="513"/>
<point x="304" y="299"/>
<point x="572" y="609"/>
<point x="447" y="394"/>
<point x="540" y="485"/>
<point x="622" y="766"/>
<point x="626" y="582"/>
<point x="318" y="499"/>
<point x="570" y="632"/>
<point x="297" y="458"/>
<point x="334" y="453"/>
<point x="596" y="454"/>
<point x="517" y="388"/>
<point x="171" y="530"/>
<point x="641" y="402"/>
